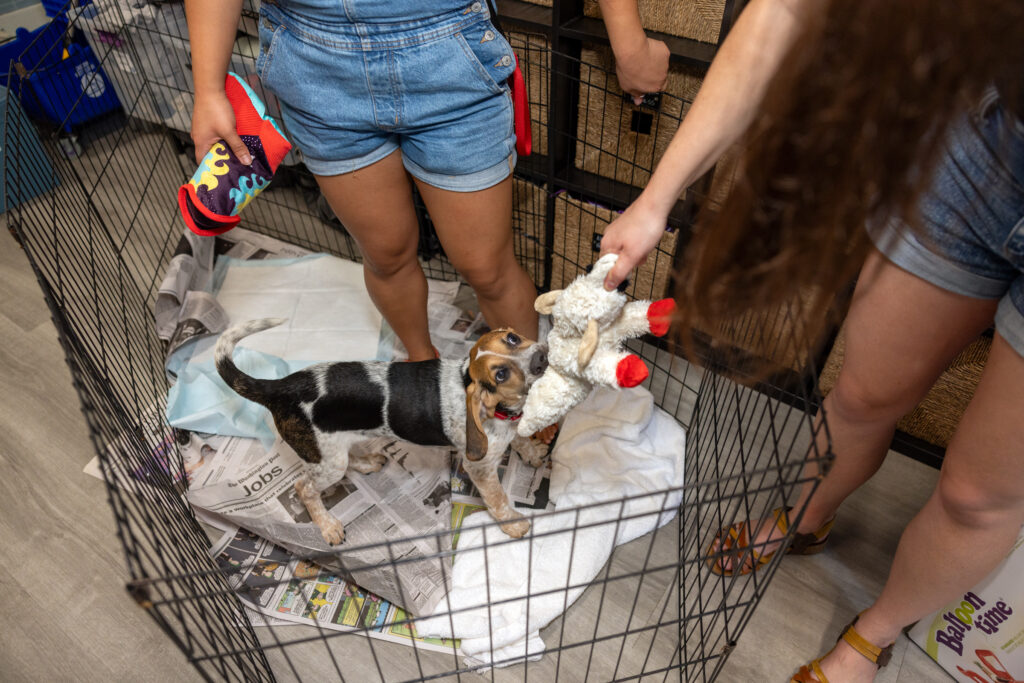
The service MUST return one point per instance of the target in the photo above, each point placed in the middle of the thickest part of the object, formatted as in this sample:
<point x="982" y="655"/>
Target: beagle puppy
<point x="325" y="409"/>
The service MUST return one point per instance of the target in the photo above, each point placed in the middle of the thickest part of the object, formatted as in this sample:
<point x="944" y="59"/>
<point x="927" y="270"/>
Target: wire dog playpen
<point x="95" y="212"/>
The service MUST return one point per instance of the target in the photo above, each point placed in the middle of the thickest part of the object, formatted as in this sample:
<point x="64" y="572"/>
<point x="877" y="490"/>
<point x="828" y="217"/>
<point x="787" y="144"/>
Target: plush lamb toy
<point x="588" y="326"/>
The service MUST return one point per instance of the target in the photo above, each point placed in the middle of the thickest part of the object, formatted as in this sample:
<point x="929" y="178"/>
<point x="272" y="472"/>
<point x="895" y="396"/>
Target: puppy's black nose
<point x="539" y="360"/>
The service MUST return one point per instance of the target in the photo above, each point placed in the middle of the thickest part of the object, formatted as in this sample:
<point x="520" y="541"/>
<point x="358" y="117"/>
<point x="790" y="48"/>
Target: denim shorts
<point x="355" y="85"/>
<point x="970" y="238"/>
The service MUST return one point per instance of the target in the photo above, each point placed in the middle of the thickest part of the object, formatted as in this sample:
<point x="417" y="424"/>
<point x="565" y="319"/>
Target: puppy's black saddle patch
<point x="352" y="401"/>
<point x="414" y="404"/>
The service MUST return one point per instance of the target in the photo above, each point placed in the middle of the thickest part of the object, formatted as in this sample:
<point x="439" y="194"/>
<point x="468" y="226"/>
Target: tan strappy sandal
<point x="880" y="656"/>
<point x="733" y="540"/>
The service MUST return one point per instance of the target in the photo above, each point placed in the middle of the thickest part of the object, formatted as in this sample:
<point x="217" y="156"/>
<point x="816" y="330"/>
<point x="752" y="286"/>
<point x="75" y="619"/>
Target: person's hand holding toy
<point x="585" y="346"/>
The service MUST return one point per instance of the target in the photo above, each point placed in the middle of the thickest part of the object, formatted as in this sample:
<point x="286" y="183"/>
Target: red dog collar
<point x="505" y="416"/>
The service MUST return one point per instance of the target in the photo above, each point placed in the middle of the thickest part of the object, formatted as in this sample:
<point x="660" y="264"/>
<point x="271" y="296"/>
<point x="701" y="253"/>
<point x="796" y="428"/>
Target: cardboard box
<point x="980" y="637"/>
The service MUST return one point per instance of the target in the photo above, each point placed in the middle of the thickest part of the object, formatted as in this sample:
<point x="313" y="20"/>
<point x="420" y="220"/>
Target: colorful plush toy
<point x="585" y="346"/>
<point x="223" y="185"/>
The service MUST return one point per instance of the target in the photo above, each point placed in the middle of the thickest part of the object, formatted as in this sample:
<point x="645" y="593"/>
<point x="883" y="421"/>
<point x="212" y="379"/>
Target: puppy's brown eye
<point x="501" y="374"/>
<point x="512" y="339"/>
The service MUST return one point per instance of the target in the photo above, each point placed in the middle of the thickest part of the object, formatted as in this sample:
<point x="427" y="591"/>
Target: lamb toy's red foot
<point x="659" y="315"/>
<point x="630" y="371"/>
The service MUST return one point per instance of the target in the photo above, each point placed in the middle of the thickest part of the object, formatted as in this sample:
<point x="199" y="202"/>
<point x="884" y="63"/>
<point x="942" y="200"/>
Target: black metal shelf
<point x="526" y="16"/>
<point x="539" y="19"/>
<point x="681" y="50"/>
<point x="918" y="449"/>
<point x="613" y="194"/>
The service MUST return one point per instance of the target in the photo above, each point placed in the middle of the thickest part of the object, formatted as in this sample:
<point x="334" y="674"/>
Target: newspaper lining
<point x="278" y="588"/>
<point x="209" y="461"/>
<point x="190" y="270"/>
<point x="254" y="488"/>
<point x="185" y="309"/>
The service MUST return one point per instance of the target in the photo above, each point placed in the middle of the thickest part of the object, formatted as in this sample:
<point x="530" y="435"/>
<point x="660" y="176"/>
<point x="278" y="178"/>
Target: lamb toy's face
<point x="586" y="299"/>
<point x="582" y="310"/>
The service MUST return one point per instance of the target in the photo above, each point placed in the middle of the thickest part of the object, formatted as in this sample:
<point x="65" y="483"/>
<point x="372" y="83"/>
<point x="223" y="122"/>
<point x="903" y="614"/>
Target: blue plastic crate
<point x="72" y="91"/>
<point x="55" y="8"/>
<point x="29" y="50"/>
<point x="40" y="47"/>
<point x="54" y="79"/>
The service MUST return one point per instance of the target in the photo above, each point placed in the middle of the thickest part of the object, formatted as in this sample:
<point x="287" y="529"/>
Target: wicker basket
<point x="775" y="335"/>
<point x="615" y="141"/>
<point x="528" y="210"/>
<point x="576" y="224"/>
<point x="725" y="175"/>
<point x="697" y="19"/>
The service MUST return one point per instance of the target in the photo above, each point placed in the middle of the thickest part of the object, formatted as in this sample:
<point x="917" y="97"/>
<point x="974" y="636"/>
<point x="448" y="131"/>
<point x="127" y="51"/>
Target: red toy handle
<point x="521" y="107"/>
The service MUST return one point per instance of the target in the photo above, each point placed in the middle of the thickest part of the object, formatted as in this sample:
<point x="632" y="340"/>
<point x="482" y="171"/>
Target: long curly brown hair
<point x="849" y="133"/>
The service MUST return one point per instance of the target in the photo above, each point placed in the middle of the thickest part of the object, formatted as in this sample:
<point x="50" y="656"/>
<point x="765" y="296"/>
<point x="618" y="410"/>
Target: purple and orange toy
<point x="222" y="185"/>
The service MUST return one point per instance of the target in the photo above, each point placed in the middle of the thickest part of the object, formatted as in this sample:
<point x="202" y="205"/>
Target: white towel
<point x="615" y="444"/>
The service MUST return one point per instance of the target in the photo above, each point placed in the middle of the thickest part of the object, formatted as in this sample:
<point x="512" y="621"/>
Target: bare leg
<point x="901" y="333"/>
<point x="375" y="205"/>
<point x="331" y="527"/>
<point x="475" y="229"/>
<point x="968" y="524"/>
<point x="484" y="476"/>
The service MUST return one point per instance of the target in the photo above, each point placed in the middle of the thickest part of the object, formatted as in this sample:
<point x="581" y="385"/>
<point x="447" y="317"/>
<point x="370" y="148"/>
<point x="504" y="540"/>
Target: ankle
<point x="877" y="627"/>
<point x="814" y="519"/>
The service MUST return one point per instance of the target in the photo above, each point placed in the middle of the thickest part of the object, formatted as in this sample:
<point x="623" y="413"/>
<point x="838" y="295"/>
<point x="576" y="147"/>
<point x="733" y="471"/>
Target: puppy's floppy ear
<point x="545" y="302"/>
<point x="476" y="412"/>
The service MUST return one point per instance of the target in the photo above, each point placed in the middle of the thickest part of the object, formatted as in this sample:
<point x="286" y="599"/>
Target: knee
<point x="860" y="400"/>
<point x="977" y="504"/>
<point x="489" y="278"/>
<point x="384" y="261"/>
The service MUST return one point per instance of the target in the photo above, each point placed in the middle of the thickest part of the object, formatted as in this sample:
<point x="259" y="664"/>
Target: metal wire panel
<point x="104" y="226"/>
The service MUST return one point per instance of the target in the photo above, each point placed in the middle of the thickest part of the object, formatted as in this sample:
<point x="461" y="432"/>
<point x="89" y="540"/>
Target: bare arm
<point x="641" y="63"/>
<point x="212" y="25"/>
<point x="730" y="96"/>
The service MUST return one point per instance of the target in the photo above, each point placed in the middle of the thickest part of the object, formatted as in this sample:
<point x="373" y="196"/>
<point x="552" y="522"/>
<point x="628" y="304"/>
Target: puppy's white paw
<point x="369" y="463"/>
<point x="533" y="452"/>
<point x="516" y="528"/>
<point x="333" y="531"/>
<point x="536" y="460"/>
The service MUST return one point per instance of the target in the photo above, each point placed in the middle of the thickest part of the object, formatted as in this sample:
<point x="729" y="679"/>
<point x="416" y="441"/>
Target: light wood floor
<point x="65" y="614"/>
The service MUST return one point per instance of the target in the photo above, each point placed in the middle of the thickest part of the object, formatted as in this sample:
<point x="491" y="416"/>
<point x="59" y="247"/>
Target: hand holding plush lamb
<point x="588" y="326"/>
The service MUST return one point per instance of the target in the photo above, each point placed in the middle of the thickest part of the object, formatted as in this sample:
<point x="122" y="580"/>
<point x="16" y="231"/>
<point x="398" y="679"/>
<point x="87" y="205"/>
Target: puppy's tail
<point x="244" y="385"/>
